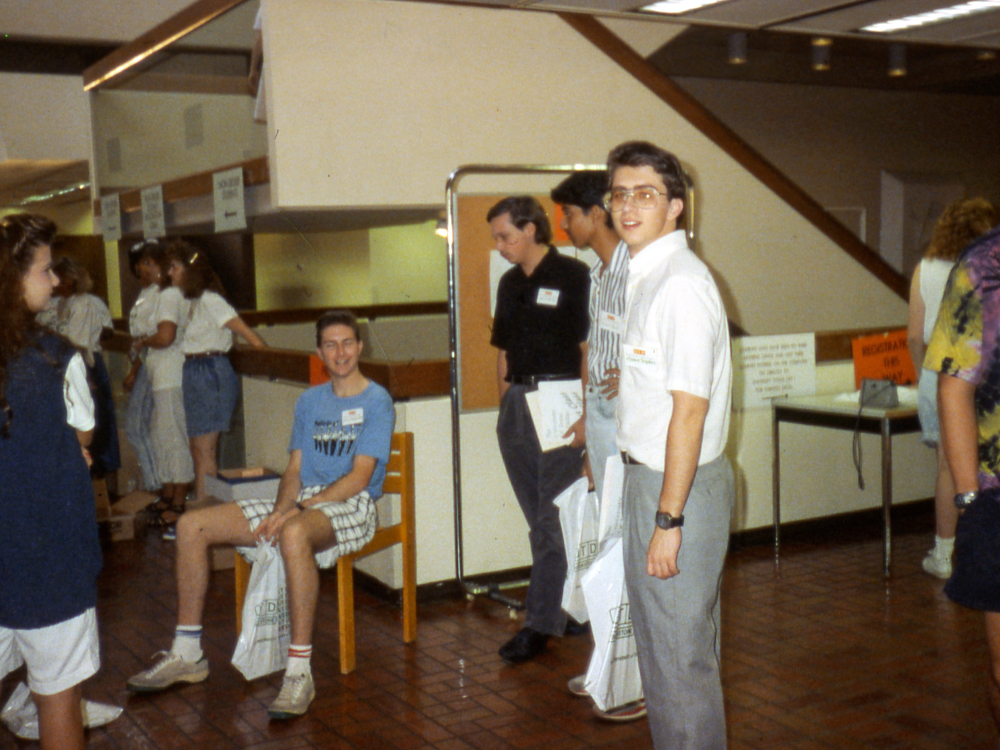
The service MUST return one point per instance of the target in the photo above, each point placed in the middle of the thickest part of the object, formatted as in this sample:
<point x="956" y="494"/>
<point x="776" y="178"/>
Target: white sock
<point x="944" y="547"/>
<point x="299" y="660"/>
<point x="187" y="642"/>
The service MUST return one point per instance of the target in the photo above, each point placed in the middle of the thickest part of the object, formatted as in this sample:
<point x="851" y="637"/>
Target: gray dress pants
<point x="676" y="621"/>
<point x="538" y="478"/>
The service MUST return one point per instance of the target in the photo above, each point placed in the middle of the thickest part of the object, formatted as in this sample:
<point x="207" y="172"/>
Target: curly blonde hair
<point x="960" y="223"/>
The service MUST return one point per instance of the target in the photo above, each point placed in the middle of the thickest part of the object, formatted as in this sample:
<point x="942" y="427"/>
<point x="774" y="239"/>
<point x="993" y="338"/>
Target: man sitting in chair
<point x="325" y="508"/>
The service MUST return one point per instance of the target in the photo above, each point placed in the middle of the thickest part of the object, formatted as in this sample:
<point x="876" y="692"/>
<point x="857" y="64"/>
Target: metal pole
<point x="451" y="203"/>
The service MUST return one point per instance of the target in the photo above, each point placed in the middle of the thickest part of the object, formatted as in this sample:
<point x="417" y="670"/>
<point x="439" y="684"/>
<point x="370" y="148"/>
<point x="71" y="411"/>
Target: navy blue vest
<point x="49" y="551"/>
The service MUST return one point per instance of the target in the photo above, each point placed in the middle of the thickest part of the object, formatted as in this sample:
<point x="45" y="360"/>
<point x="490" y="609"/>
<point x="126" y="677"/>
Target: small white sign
<point x="111" y="218"/>
<point x="153" y="222"/>
<point x="230" y="210"/>
<point x="548" y="297"/>
<point x="766" y="367"/>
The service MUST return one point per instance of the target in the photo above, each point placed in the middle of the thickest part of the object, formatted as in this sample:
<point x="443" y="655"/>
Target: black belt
<point x="627" y="459"/>
<point x="536" y="379"/>
<point x="201" y="355"/>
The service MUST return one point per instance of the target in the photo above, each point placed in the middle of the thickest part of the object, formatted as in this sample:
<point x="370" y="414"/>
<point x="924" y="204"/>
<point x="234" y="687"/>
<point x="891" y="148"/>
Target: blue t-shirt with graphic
<point x="330" y="431"/>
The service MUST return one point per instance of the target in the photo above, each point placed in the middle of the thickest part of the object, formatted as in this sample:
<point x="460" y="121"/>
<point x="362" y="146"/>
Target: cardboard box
<point x="116" y="528"/>
<point x="255" y="483"/>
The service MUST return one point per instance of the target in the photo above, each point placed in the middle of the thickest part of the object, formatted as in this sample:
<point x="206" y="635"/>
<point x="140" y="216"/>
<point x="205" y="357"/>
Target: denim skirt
<point x="211" y="390"/>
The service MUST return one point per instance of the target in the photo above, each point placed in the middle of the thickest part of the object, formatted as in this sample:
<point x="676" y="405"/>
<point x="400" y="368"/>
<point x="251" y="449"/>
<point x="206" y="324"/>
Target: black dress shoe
<point x="527" y="644"/>
<point x="576" y="628"/>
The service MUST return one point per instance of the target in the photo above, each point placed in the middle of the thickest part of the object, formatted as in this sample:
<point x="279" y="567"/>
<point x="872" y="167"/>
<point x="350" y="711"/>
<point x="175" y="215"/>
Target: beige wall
<point x="43" y="117"/>
<point x="835" y="142"/>
<point x="150" y="128"/>
<point x="382" y="265"/>
<point x="490" y="88"/>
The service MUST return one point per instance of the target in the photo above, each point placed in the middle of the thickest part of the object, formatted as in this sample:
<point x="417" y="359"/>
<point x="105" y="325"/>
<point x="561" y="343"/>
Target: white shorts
<point x="354" y="522"/>
<point x="58" y="656"/>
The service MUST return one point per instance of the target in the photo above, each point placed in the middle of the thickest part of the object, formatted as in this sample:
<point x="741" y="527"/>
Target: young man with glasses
<point x="539" y="329"/>
<point x="673" y="421"/>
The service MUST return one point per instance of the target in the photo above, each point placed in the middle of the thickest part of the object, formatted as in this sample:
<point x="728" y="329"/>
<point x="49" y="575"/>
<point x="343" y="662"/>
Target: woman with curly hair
<point x="211" y="386"/>
<point x="49" y="550"/>
<point x="960" y="223"/>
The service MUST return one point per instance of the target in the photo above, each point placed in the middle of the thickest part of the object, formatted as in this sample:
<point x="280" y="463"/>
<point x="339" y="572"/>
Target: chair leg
<point x="345" y="611"/>
<point x="409" y="591"/>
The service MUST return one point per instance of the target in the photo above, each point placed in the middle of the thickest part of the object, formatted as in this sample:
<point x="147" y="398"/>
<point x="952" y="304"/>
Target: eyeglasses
<point x="642" y="197"/>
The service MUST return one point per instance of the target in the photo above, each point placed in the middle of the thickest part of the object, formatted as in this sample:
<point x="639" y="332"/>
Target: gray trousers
<point x="537" y="479"/>
<point x="676" y="621"/>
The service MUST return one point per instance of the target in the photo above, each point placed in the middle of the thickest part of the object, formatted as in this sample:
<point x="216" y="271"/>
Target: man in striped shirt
<point x="587" y="224"/>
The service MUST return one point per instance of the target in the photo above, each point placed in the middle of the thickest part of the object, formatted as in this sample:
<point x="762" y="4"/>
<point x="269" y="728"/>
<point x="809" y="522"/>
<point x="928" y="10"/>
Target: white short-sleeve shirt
<point x="142" y="316"/>
<point x="206" y="332"/>
<point x="676" y="338"/>
<point x="76" y="396"/>
<point x="166" y="366"/>
<point x="82" y="318"/>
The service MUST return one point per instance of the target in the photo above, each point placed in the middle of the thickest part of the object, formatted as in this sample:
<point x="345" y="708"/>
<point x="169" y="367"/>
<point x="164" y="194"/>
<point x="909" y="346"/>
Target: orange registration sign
<point x="883" y="357"/>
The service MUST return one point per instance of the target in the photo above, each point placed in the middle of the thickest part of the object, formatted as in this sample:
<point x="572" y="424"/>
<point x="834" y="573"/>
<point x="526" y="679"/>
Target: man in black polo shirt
<point x="540" y="329"/>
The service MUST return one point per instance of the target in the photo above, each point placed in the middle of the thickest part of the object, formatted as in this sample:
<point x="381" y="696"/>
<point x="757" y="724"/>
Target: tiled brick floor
<point x="819" y="653"/>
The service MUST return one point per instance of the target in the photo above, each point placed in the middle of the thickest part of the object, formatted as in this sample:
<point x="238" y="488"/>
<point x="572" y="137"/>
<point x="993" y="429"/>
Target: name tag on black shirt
<point x="547" y="297"/>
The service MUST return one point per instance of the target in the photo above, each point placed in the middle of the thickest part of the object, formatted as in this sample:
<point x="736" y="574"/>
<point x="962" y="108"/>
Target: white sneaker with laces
<point x="297" y="692"/>
<point x="168" y="671"/>
<point x="937" y="565"/>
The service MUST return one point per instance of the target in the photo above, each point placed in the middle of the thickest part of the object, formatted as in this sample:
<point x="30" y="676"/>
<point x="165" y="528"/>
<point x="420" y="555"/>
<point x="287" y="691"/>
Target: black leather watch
<point x="667" y="521"/>
<point x="964" y="499"/>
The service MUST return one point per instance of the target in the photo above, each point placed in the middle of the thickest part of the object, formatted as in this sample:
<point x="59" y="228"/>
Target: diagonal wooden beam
<point x="181" y="23"/>
<point x="744" y="154"/>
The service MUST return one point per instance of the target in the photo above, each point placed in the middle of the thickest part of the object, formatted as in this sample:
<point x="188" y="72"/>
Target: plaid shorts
<point x="354" y="522"/>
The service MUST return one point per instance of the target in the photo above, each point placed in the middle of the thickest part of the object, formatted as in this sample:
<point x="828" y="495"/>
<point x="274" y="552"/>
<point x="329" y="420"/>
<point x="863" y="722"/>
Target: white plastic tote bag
<point x="613" y="675"/>
<point x="263" y="644"/>
<point x="578" y="516"/>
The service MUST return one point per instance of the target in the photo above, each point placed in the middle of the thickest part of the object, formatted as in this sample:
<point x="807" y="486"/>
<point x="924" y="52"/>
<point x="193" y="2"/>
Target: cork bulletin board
<point x="477" y="360"/>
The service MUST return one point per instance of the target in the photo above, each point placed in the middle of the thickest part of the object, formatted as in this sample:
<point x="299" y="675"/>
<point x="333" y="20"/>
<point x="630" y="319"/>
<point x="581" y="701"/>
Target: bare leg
<point x="301" y="537"/>
<point x="196" y="531"/>
<point x="60" y="719"/>
<point x="945" y="512"/>
<point x="203" y="453"/>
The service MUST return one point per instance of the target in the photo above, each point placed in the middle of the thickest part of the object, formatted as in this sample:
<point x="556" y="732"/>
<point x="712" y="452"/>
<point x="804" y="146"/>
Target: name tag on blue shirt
<point x="352" y="416"/>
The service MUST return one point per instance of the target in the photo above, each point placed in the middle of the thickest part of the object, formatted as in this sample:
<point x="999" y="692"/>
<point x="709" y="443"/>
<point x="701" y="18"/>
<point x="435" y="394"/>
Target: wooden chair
<point x="399" y="480"/>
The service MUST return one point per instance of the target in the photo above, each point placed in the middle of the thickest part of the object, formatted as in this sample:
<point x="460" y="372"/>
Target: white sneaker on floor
<point x="575" y="686"/>
<point x="168" y="671"/>
<point x="939" y="567"/>
<point x="296" y="694"/>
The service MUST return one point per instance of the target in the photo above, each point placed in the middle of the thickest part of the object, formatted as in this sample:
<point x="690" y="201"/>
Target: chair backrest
<point x="399" y="471"/>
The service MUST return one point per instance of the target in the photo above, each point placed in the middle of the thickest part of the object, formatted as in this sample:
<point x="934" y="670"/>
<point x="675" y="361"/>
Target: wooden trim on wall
<point x="128" y="55"/>
<point x="833" y="346"/>
<point x="366" y="312"/>
<point x="255" y="172"/>
<point x="724" y="137"/>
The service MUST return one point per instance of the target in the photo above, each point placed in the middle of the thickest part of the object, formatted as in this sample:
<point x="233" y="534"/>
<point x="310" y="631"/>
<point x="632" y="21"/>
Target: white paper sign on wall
<point x="111" y="218"/>
<point x="765" y="367"/>
<point x="153" y="223"/>
<point x="227" y="190"/>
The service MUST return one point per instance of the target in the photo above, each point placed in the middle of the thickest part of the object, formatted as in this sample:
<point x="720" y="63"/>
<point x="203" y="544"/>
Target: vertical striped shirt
<point x="607" y="314"/>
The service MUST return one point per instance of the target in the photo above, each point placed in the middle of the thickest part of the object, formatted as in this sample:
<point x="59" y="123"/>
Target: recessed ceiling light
<point x="673" y="7"/>
<point x="933" y="16"/>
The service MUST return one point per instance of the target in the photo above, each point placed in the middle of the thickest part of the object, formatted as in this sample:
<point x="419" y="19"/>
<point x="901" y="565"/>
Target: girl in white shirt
<point x="211" y="386"/>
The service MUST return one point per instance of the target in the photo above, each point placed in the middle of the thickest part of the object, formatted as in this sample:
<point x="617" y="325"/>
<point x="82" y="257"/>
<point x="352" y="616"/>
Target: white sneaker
<point x="168" y="671"/>
<point x="575" y="686"/>
<point x="939" y="567"/>
<point x="296" y="694"/>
